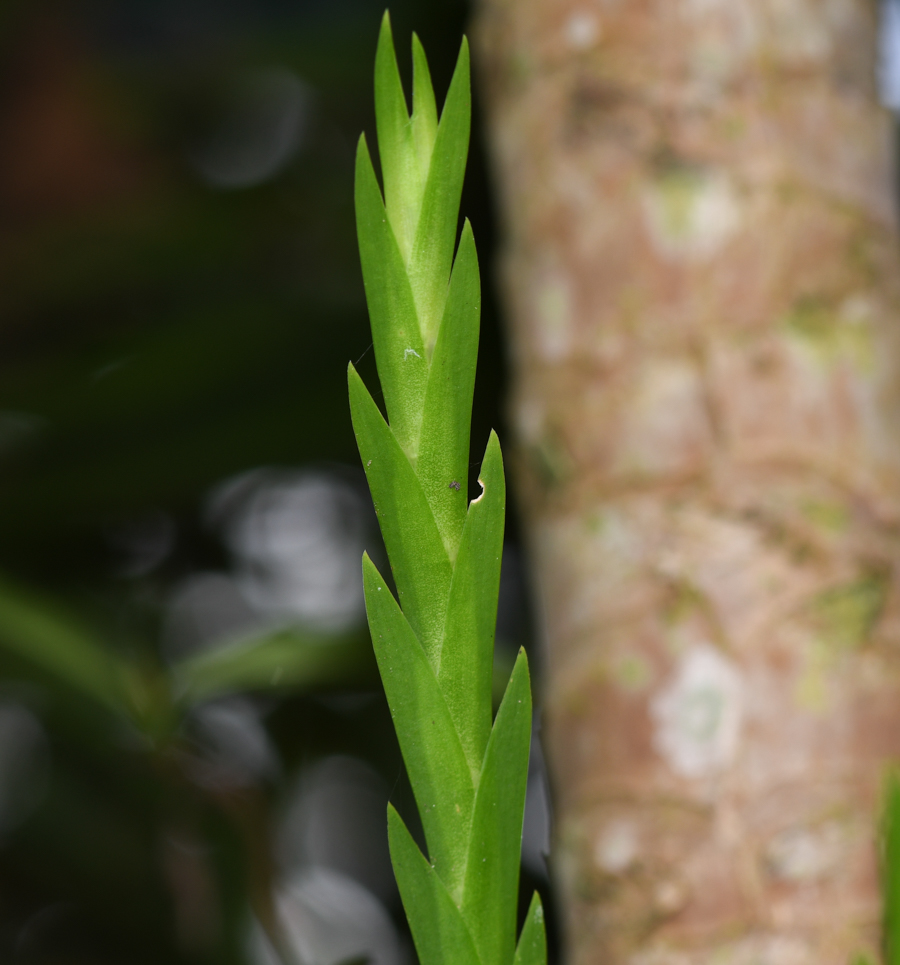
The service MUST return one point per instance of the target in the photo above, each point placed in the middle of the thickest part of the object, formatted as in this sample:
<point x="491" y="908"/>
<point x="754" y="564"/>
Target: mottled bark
<point x="701" y="273"/>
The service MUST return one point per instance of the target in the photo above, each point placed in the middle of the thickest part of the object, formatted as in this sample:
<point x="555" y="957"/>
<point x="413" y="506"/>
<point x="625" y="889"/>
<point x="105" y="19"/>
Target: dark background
<point x="179" y="297"/>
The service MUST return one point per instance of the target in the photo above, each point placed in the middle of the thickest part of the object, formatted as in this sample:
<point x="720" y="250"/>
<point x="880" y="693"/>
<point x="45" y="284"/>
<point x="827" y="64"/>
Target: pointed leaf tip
<point x="431" y="256"/>
<point x="424" y="115"/>
<point x="384" y="31"/>
<point x="532" y="947"/>
<point x="462" y="59"/>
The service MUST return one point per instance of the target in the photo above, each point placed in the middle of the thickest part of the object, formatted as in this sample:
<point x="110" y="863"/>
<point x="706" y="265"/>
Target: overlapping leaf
<point x="424" y="115"/>
<point x="440" y="775"/>
<point x="432" y="253"/>
<point x="401" y="166"/>
<point x="491" y="887"/>
<point x="443" y="460"/>
<point x="418" y="556"/>
<point x="440" y="932"/>
<point x="399" y="349"/>
<point x="467" y="651"/>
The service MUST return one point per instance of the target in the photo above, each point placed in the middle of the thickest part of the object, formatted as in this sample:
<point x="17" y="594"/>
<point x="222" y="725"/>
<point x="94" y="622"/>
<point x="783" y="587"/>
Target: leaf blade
<point x="424" y="115"/>
<point x="403" y="181"/>
<point x="443" y="462"/>
<point x="439" y="931"/>
<point x="431" y="255"/>
<point x="419" y="560"/>
<point x="490" y="894"/>
<point x="467" y="650"/>
<point x="399" y="349"/>
<point x="437" y="765"/>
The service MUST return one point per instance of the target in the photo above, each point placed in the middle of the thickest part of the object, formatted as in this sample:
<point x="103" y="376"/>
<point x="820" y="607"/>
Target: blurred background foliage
<point x="195" y="755"/>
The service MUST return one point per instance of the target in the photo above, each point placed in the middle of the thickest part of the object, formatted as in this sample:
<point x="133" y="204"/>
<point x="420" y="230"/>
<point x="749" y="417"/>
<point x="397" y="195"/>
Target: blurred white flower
<point x="327" y="918"/>
<point x="297" y="539"/>
<point x="233" y="746"/>
<point x="336" y="818"/>
<point x="205" y="611"/>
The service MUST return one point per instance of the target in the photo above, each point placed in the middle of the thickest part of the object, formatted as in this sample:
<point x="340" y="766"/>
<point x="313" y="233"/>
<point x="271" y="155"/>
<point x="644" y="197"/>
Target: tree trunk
<point x="701" y="274"/>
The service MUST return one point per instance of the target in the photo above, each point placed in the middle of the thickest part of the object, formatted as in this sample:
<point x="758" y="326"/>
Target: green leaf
<point x="467" y="651"/>
<point x="399" y="350"/>
<point x="404" y="178"/>
<point x="424" y="115"/>
<point x="491" y="887"/>
<point x="439" y="931"/>
<point x="286" y="659"/>
<point x="890" y="869"/>
<point x="532" y="947"/>
<point x="437" y="766"/>
<point x="34" y="629"/>
<point x="432" y="252"/>
<point x="443" y="462"/>
<point x="418" y="556"/>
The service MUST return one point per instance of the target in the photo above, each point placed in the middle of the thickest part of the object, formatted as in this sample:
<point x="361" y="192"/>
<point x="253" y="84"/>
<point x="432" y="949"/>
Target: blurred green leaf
<point x="432" y="253"/>
<point x="40" y="632"/>
<point x="286" y="659"/>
